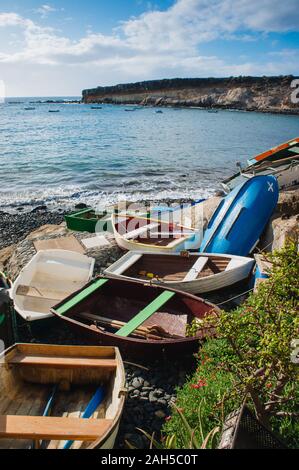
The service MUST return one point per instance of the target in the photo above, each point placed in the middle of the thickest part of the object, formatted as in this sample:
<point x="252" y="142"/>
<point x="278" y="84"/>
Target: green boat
<point x="88" y="220"/>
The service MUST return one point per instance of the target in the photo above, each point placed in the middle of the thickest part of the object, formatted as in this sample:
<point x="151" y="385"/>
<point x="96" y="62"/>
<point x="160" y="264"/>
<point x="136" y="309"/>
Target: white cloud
<point x="158" y="43"/>
<point x="45" y="10"/>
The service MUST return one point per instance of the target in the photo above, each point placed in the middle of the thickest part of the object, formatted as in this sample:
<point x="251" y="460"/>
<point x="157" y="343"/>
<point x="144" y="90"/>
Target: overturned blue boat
<point x="241" y="217"/>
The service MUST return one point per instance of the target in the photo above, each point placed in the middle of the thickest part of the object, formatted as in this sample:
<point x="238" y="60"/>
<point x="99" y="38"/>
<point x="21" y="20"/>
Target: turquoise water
<point x="86" y="155"/>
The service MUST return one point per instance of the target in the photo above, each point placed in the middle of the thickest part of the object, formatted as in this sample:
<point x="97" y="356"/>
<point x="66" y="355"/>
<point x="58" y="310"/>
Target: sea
<point x="116" y="152"/>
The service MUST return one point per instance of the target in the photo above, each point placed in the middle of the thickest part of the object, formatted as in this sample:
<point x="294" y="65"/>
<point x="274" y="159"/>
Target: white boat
<point x="286" y="172"/>
<point x="50" y="276"/>
<point x="60" y="397"/>
<point x="137" y="233"/>
<point x="190" y="272"/>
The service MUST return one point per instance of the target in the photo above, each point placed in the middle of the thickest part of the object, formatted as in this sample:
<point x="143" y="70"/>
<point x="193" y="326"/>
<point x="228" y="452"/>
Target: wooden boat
<point x="241" y="217"/>
<point x="89" y="220"/>
<point x="195" y="273"/>
<point x="286" y="171"/>
<point x="136" y="318"/>
<point x="60" y="397"/>
<point x="50" y="276"/>
<point x="54" y="110"/>
<point x="29" y="109"/>
<point x="285" y="150"/>
<point x="134" y="233"/>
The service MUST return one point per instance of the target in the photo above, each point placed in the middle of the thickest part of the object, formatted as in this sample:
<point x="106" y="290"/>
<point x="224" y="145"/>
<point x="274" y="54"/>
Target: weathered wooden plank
<point x="65" y="362"/>
<point x="48" y="428"/>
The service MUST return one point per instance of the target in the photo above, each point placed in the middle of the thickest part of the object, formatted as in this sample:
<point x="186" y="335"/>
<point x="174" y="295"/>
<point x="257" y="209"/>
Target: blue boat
<point x="241" y="217"/>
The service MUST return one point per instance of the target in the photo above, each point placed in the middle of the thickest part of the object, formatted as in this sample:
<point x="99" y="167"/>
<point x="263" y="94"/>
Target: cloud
<point x="45" y="10"/>
<point x="160" y="43"/>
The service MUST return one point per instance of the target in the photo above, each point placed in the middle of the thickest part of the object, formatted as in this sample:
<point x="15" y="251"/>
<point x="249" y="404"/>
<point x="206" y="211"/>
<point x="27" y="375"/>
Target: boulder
<point x="5" y="255"/>
<point x="278" y="231"/>
<point x="47" y="230"/>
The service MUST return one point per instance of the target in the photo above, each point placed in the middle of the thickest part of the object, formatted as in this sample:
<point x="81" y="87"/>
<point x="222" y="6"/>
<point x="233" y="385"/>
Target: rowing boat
<point x="285" y="150"/>
<point x="49" y="277"/>
<point x="286" y="171"/>
<point x="94" y="221"/>
<point x="139" y="319"/>
<point x="191" y="272"/>
<point x="60" y="397"/>
<point x="136" y="233"/>
<point x="241" y="217"/>
<point x="88" y="220"/>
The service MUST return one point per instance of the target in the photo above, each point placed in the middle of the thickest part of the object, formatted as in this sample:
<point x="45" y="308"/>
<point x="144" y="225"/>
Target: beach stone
<point x="137" y="382"/>
<point x="80" y="206"/>
<point x="39" y="209"/>
<point x="161" y="401"/>
<point x="152" y="397"/>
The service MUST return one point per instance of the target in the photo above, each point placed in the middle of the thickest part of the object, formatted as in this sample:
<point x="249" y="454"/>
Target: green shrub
<point x="251" y="358"/>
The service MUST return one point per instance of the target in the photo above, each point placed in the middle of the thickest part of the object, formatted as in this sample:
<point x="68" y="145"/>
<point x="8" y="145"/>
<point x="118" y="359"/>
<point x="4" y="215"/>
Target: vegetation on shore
<point x="249" y="360"/>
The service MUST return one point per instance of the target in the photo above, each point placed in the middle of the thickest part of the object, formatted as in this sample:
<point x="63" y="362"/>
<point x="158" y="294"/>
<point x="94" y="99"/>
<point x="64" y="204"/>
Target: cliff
<point x="265" y="94"/>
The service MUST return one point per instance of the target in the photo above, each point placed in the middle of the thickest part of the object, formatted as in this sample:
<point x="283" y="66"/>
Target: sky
<point x="61" y="47"/>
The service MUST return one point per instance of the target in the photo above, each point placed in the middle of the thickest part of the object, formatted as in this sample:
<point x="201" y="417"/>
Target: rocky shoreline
<point x="262" y="94"/>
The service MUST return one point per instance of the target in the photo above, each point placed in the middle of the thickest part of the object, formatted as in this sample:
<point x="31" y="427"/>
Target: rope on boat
<point x="236" y="297"/>
<point x="136" y="365"/>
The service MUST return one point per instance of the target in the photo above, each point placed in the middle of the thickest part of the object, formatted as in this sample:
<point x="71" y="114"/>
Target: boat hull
<point x="132" y="346"/>
<point x="241" y="217"/>
<point x="185" y="243"/>
<point x="286" y="174"/>
<point x="88" y="221"/>
<point x="238" y="269"/>
<point x="49" y="276"/>
<point x="76" y="372"/>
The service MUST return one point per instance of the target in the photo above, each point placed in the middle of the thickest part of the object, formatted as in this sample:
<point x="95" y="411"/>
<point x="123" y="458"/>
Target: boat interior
<point x="46" y="391"/>
<point x="150" y="232"/>
<point x="89" y="215"/>
<point x="175" y="268"/>
<point x="50" y="280"/>
<point x="113" y="305"/>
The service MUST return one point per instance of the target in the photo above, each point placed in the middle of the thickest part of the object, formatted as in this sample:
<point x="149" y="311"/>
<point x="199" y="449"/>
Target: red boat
<point x="139" y="319"/>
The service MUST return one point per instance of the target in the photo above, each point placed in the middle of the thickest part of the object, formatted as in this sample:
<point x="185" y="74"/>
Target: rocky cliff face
<point x="266" y="94"/>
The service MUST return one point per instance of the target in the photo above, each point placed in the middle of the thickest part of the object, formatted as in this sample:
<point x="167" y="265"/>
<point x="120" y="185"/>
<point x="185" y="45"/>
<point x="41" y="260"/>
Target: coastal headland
<point x="263" y="94"/>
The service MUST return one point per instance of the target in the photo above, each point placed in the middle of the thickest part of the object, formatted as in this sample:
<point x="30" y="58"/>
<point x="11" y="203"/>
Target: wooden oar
<point x="149" y="333"/>
<point x="92" y="406"/>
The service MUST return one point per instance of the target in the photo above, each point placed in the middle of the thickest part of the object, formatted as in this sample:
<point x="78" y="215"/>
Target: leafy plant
<point x="251" y="358"/>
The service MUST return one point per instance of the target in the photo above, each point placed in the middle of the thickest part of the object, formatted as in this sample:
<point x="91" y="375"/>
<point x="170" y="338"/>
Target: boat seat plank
<point x="127" y="263"/>
<point x="145" y="314"/>
<point x="197" y="267"/>
<point x="65" y="362"/>
<point x="139" y="231"/>
<point x="81" y="296"/>
<point x="234" y="263"/>
<point x="48" y="428"/>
